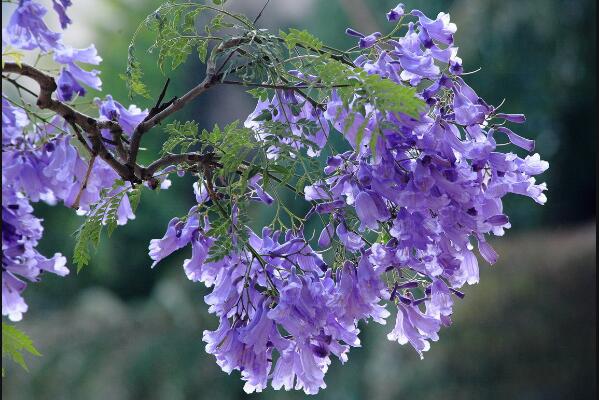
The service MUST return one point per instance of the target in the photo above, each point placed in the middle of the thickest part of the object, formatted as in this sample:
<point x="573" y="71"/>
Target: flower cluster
<point x="429" y="188"/>
<point x="279" y="285"/>
<point x="26" y="30"/>
<point x="405" y="210"/>
<point x="39" y="162"/>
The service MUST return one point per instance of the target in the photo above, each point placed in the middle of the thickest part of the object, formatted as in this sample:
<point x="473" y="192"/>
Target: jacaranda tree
<point x="404" y="207"/>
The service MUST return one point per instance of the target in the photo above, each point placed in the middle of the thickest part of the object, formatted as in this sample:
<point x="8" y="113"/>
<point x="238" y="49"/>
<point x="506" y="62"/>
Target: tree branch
<point x="274" y="86"/>
<point x="208" y="160"/>
<point x="89" y="125"/>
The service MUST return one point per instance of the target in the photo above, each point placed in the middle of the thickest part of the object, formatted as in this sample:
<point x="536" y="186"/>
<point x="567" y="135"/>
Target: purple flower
<point x="414" y="327"/>
<point x="468" y="109"/>
<point x="26" y="28"/>
<point x="256" y="333"/>
<point x="517" y="140"/>
<point x="370" y="209"/>
<point x="262" y="195"/>
<point x="68" y="86"/>
<point x="533" y="165"/>
<point x="352" y="32"/>
<point x="350" y="240"/>
<point x="368" y="41"/>
<point x="178" y="235"/>
<point x="440" y="29"/>
<point x="14" y="120"/>
<point x="60" y="7"/>
<point x="326" y="235"/>
<point x="415" y="62"/>
<point x="200" y="247"/>
<point x="13" y="304"/>
<point x="395" y="13"/>
<point x="69" y="55"/>
<point x="200" y="192"/>
<point x="440" y="303"/>
<point x="21" y="231"/>
<point x="487" y="252"/>
<point x="516" y="118"/>
<point x="359" y="294"/>
<point x="112" y="110"/>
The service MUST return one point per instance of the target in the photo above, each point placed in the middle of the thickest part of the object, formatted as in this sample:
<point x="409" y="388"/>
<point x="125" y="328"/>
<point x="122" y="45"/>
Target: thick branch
<point x="90" y="125"/>
<point x="177" y="104"/>
<point x="154" y="119"/>
<point x="208" y="160"/>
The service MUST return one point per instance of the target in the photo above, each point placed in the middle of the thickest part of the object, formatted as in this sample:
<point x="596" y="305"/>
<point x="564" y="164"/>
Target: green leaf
<point x="202" y="49"/>
<point x="133" y="76"/>
<point x="391" y="96"/>
<point x="361" y="131"/>
<point x="135" y="195"/>
<point x="182" y="135"/>
<point x="373" y="142"/>
<point x="14" y="343"/>
<point x="302" y="38"/>
<point x="261" y="94"/>
<point x="103" y="213"/>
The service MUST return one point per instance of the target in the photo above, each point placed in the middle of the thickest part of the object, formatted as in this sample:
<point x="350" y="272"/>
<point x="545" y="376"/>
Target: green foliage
<point x="216" y="24"/>
<point x="261" y="94"/>
<point x="183" y="135"/>
<point x="354" y="83"/>
<point x="133" y="76"/>
<point x="390" y="96"/>
<point x="228" y="237"/>
<point x="14" y="344"/>
<point x="300" y="38"/>
<point x="103" y="213"/>
<point x="334" y="73"/>
<point x="234" y="143"/>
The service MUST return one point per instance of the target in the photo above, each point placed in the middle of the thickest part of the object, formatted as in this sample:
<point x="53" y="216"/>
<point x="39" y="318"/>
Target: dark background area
<point x="120" y="330"/>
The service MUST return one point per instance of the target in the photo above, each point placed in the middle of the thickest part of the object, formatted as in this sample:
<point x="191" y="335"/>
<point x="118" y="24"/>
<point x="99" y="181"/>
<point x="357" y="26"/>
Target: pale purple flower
<point x="128" y="118"/>
<point x="516" y="118"/>
<point x="517" y="140"/>
<point x="369" y="40"/>
<point x="178" y="235"/>
<point x="201" y="244"/>
<point x="395" y="13"/>
<point x="60" y="7"/>
<point x="14" y="120"/>
<point x="68" y="86"/>
<point x="326" y="235"/>
<point x="370" y="209"/>
<point x="440" y="29"/>
<point x="414" y="327"/>
<point x="260" y="193"/>
<point x="351" y="240"/>
<point x="27" y="30"/>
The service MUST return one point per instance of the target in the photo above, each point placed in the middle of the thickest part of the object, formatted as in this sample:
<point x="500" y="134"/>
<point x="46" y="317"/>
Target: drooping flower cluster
<point x="430" y="187"/>
<point x="403" y="210"/>
<point x="280" y="299"/>
<point x="39" y="162"/>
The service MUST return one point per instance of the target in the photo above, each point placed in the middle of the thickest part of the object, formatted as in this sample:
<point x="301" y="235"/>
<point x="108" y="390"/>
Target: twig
<point x="273" y="86"/>
<point x="207" y="159"/>
<point x="85" y="181"/>
<point x="261" y="12"/>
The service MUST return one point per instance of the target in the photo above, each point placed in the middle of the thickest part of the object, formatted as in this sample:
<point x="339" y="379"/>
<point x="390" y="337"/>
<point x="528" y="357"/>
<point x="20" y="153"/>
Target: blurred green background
<point x="120" y="330"/>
